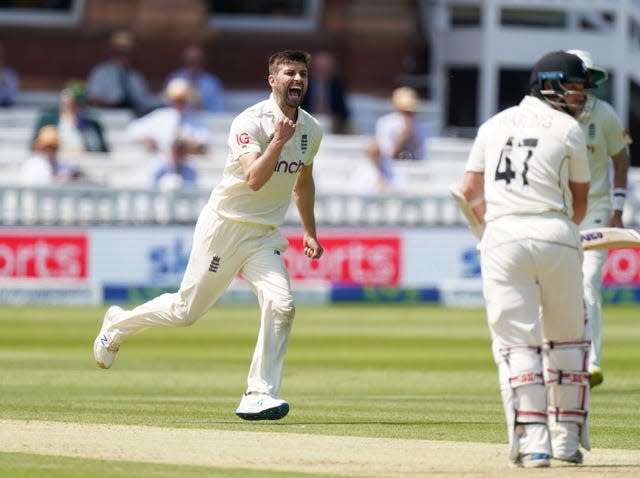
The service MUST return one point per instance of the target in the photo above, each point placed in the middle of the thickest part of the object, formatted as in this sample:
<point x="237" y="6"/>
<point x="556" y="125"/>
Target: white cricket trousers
<point x="221" y="249"/>
<point x="592" y="271"/>
<point x="532" y="285"/>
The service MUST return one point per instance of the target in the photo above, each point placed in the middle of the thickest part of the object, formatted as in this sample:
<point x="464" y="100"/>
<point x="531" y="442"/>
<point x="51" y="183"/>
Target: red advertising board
<point x="49" y="255"/>
<point x="369" y="259"/>
<point x="622" y="267"/>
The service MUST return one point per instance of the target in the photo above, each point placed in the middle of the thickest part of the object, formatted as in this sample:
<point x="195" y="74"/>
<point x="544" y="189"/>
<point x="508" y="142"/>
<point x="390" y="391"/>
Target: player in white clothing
<point x="527" y="178"/>
<point x="607" y="143"/>
<point x="271" y="150"/>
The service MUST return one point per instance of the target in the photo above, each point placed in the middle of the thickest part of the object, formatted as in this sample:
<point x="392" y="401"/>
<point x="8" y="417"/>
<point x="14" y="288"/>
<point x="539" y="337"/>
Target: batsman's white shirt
<point x="252" y="131"/>
<point x="605" y="137"/>
<point x="528" y="153"/>
<point x="531" y="263"/>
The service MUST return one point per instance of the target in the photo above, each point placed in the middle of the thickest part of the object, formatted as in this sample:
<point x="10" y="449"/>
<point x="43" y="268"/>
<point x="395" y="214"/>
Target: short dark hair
<point x="287" y="56"/>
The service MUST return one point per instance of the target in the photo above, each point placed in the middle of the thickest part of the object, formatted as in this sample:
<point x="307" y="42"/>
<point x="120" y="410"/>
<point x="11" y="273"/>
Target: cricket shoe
<point x="532" y="460"/>
<point x="104" y="351"/>
<point x="577" y="458"/>
<point x="260" y="406"/>
<point x="596" y="377"/>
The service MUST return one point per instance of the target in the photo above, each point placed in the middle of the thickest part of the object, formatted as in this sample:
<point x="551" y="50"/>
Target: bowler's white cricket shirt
<point x="528" y="153"/>
<point x="605" y="137"/>
<point x="251" y="131"/>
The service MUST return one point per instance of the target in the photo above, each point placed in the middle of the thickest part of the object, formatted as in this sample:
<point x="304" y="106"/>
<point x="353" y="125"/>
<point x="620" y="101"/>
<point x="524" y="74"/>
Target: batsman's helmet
<point x="552" y="72"/>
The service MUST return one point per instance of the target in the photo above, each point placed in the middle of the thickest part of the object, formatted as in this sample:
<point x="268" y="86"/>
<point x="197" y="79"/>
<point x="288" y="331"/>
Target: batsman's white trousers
<point x="592" y="270"/>
<point x="221" y="249"/>
<point x="532" y="285"/>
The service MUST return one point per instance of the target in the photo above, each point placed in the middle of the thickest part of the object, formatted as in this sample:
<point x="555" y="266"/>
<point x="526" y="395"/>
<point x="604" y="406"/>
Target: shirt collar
<point x="278" y="112"/>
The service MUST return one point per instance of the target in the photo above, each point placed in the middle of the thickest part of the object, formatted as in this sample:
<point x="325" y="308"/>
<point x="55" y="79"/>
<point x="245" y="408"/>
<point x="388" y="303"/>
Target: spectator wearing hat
<point x="209" y="89"/>
<point x="160" y="128"/>
<point x="78" y="130"/>
<point x="44" y="167"/>
<point x="9" y="83"/>
<point x="399" y="136"/>
<point x="115" y="83"/>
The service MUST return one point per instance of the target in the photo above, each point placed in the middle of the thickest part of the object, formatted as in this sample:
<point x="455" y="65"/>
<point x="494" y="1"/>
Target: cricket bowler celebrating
<point x="271" y="150"/>
<point x="527" y="178"/>
<point x="606" y="138"/>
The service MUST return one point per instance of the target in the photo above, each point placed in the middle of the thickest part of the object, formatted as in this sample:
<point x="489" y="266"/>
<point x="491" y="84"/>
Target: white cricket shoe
<point x="260" y="406"/>
<point x="532" y="460"/>
<point x="103" y="350"/>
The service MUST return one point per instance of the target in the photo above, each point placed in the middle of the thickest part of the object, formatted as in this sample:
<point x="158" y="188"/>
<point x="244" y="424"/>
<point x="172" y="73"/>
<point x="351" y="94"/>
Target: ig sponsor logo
<point x="242" y="138"/>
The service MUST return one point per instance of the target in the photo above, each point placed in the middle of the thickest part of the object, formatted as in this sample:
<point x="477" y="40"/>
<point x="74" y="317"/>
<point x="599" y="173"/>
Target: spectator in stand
<point x="209" y="89"/>
<point x="399" y="136"/>
<point x="115" y="83"/>
<point x="174" y="172"/>
<point x="327" y="94"/>
<point x="78" y="131"/>
<point x="159" y="129"/>
<point x="9" y="83"/>
<point x="44" y="167"/>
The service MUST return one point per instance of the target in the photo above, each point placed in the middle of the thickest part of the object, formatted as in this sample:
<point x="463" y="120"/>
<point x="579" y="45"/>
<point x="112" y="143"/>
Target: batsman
<point x="526" y="183"/>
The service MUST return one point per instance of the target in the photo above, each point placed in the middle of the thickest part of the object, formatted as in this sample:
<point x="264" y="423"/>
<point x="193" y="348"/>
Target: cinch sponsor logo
<point x="361" y="260"/>
<point x="286" y="167"/>
<point x="622" y="267"/>
<point x="42" y="256"/>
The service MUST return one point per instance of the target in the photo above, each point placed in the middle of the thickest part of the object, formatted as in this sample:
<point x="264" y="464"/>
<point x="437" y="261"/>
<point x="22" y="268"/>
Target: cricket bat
<point x="609" y="238"/>
<point x="592" y="239"/>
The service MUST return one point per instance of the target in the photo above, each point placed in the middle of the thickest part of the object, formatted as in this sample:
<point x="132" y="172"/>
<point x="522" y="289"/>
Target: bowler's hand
<point x="284" y="129"/>
<point x="312" y="247"/>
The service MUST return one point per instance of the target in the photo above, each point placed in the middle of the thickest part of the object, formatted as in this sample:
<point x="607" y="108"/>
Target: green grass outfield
<point x="409" y="372"/>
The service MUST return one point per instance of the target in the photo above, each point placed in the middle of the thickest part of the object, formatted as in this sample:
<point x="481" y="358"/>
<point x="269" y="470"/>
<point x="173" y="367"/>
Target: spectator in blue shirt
<point x="9" y="83"/>
<point x="174" y="172"/>
<point x="208" y="86"/>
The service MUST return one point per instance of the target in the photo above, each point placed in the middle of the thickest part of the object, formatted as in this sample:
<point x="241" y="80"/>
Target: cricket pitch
<point x="333" y="455"/>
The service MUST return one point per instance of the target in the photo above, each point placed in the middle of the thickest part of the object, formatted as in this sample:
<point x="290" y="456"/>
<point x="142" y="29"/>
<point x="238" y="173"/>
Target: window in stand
<point x="265" y="15"/>
<point x="41" y="12"/>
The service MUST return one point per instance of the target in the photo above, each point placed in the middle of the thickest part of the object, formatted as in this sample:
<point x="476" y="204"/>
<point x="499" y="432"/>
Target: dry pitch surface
<point x="341" y="456"/>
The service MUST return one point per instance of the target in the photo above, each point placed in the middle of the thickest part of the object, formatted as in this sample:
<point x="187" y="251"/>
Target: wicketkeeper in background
<point x="527" y="178"/>
<point x="271" y="150"/>
<point x="607" y="141"/>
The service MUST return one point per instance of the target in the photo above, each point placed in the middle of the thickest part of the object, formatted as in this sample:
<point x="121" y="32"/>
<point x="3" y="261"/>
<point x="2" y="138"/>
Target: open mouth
<point x="295" y="93"/>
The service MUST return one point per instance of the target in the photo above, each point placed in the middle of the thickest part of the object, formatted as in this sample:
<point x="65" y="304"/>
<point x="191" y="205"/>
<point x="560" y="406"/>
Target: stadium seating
<point x="116" y="189"/>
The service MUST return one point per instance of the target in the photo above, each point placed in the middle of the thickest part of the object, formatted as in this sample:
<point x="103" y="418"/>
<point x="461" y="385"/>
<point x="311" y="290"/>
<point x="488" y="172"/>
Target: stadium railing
<point x="84" y="205"/>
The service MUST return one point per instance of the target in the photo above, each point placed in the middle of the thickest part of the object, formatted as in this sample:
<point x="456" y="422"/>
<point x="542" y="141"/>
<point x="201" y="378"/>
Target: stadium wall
<point x="82" y="266"/>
